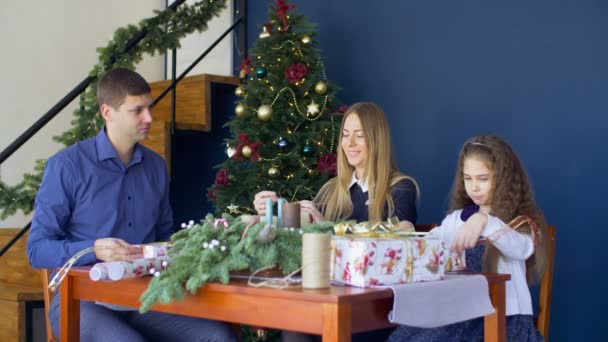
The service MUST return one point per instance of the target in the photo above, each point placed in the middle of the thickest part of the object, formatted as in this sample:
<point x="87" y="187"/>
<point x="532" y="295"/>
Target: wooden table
<point x="335" y="312"/>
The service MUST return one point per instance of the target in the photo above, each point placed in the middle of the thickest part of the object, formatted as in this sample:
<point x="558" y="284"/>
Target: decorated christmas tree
<point x="285" y="130"/>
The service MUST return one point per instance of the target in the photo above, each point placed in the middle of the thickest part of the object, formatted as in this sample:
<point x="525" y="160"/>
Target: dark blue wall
<point x="534" y="72"/>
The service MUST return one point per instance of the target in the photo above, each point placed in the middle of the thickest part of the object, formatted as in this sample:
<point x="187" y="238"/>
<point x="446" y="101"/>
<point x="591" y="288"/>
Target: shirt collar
<point x="105" y="150"/>
<point x="362" y="183"/>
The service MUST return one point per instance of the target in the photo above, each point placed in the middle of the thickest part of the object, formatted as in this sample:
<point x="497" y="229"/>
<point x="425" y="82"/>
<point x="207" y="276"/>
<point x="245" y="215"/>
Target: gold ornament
<point x="246" y="151"/>
<point x="264" y="112"/>
<point x="312" y="108"/>
<point x="240" y="91"/>
<point x="273" y="171"/>
<point x="264" y="33"/>
<point x="306" y="40"/>
<point x="321" y="88"/>
<point x="239" y="109"/>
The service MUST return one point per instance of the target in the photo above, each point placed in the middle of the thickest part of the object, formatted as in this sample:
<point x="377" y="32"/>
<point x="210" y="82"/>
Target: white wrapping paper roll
<point x="117" y="270"/>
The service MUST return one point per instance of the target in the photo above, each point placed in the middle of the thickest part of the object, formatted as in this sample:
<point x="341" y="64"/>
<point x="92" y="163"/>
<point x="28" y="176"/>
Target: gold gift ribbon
<point x="388" y="229"/>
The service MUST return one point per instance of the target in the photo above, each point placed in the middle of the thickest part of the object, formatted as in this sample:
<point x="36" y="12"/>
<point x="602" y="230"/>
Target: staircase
<point x="193" y="108"/>
<point x="20" y="290"/>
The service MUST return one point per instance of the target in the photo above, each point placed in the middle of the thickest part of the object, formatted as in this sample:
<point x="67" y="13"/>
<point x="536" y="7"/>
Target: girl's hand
<point x="310" y="208"/>
<point x="468" y="234"/>
<point x="259" y="201"/>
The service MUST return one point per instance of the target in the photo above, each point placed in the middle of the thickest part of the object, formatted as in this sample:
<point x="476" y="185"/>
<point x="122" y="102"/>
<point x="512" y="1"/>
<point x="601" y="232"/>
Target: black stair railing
<point x="81" y="87"/>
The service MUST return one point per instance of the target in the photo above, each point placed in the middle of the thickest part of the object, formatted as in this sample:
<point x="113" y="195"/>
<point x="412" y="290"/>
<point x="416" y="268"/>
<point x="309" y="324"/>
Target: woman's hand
<point x="406" y="226"/>
<point x="310" y="208"/>
<point x="468" y="234"/>
<point x="259" y="201"/>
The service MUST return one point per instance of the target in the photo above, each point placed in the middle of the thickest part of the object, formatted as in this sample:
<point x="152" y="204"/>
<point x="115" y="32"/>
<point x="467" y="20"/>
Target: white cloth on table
<point x="432" y="304"/>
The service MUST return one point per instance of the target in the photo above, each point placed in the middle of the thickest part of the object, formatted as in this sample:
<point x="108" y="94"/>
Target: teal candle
<point x="269" y="211"/>
<point x="280" y="212"/>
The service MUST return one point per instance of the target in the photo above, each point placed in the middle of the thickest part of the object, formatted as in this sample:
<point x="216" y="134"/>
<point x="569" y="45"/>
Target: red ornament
<point x="221" y="178"/>
<point x="245" y="66"/>
<point x="327" y="163"/>
<point x="295" y="73"/>
<point x="211" y="195"/>
<point x="282" y="8"/>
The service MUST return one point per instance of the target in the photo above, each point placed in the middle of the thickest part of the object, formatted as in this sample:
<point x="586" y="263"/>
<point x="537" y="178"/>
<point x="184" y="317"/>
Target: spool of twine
<point x="316" y="253"/>
<point x="291" y="215"/>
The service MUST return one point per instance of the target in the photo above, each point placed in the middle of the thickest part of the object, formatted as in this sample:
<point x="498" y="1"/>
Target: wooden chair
<point x="546" y="283"/>
<point x="48" y="297"/>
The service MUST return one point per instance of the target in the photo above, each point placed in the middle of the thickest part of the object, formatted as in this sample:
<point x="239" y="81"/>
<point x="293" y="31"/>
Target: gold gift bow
<point x="386" y="229"/>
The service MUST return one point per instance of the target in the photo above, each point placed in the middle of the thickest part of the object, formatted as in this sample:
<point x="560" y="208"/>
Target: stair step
<point x="193" y="101"/>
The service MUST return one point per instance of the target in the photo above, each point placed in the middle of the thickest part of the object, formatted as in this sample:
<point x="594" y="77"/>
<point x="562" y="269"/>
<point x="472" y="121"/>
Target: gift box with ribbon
<point x="366" y="255"/>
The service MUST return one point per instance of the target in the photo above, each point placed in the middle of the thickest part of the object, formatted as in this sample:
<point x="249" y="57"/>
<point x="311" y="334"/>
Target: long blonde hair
<point x="381" y="171"/>
<point x="511" y="196"/>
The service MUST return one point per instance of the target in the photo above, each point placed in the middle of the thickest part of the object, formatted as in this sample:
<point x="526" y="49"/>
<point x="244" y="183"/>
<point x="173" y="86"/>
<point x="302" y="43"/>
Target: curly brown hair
<point x="512" y="196"/>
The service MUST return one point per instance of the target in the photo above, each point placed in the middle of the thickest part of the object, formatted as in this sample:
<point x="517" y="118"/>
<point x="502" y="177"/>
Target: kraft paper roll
<point x="291" y="215"/>
<point x="316" y="253"/>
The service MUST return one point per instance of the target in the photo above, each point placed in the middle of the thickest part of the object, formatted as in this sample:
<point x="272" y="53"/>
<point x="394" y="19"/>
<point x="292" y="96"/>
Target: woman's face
<point x="478" y="182"/>
<point x="353" y="143"/>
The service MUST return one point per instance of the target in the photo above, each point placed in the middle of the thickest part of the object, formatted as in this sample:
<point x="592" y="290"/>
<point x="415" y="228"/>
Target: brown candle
<point x="291" y="215"/>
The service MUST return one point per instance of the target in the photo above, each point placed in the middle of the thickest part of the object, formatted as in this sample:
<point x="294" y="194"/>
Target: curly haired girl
<point x="492" y="201"/>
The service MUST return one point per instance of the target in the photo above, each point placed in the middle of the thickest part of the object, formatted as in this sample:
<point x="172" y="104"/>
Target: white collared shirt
<point x="362" y="183"/>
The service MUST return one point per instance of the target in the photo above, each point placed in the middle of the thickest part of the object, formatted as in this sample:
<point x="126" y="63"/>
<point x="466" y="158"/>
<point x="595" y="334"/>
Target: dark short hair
<point x="116" y="84"/>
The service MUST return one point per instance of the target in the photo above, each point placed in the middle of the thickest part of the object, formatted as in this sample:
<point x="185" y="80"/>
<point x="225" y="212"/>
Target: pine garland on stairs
<point x="163" y="32"/>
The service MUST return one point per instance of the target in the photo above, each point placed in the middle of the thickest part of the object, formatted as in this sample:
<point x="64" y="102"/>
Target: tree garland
<point x="164" y="31"/>
<point x="210" y="250"/>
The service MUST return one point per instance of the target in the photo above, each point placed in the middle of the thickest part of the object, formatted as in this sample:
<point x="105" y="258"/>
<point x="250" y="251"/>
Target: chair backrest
<point x="48" y="297"/>
<point x="546" y="283"/>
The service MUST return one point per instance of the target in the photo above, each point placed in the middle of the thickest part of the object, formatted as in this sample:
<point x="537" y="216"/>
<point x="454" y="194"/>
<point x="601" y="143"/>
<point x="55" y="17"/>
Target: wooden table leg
<point x="495" y="325"/>
<point x="337" y="322"/>
<point x="69" y="316"/>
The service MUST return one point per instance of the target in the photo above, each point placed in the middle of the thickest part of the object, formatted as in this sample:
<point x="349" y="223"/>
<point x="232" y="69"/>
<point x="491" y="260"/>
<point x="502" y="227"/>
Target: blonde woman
<point x="368" y="185"/>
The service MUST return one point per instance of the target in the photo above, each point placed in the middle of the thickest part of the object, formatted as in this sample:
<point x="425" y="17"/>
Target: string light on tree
<point x="306" y="40"/>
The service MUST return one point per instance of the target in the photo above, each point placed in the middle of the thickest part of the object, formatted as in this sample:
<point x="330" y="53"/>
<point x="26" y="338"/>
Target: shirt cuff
<point x="77" y="246"/>
<point x="493" y="226"/>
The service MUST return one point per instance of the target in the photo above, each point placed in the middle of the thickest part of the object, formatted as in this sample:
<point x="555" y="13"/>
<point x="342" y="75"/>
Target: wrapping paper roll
<point x="155" y="251"/>
<point x="117" y="270"/>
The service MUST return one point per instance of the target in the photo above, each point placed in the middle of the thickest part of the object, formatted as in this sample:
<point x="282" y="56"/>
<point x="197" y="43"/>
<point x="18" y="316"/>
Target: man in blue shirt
<point x="109" y="192"/>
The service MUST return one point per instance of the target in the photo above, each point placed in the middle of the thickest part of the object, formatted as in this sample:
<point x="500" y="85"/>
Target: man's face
<point x="132" y="119"/>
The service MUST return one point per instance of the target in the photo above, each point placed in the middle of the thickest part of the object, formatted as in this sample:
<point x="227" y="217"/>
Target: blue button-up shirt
<point x="87" y="193"/>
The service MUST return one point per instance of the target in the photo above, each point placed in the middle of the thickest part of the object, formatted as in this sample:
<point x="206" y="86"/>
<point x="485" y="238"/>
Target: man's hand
<point x="111" y="249"/>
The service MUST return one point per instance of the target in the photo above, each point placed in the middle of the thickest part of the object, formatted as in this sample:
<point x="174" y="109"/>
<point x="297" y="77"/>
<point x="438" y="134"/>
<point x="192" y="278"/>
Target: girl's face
<point x="478" y="182"/>
<point x="353" y="143"/>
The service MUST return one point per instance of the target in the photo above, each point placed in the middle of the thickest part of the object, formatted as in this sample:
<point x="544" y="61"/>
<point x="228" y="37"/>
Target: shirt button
<point x="130" y="224"/>
<point x="126" y="172"/>
<point x="129" y="198"/>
